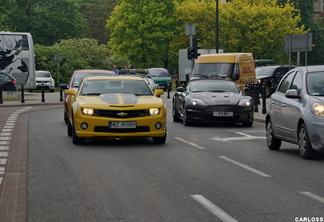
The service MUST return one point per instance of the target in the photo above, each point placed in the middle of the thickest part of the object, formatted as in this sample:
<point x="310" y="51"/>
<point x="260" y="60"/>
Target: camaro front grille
<point x="106" y="129"/>
<point x="122" y="114"/>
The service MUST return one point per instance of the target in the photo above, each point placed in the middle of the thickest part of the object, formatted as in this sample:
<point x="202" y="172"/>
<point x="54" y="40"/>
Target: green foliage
<point x="256" y="26"/>
<point x="76" y="54"/>
<point x="142" y="30"/>
<point x="47" y="20"/>
<point x="96" y="12"/>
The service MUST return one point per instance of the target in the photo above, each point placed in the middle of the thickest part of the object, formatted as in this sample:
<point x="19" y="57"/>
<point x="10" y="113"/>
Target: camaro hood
<point x="212" y="98"/>
<point x="119" y="100"/>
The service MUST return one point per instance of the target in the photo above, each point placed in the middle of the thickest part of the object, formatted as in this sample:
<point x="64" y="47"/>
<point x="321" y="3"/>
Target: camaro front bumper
<point x="148" y="126"/>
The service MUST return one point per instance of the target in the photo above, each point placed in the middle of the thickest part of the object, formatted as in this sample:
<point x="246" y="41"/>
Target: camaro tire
<point x="272" y="142"/>
<point x="69" y="128"/>
<point x="159" y="140"/>
<point x="305" y="148"/>
<point x="75" y="139"/>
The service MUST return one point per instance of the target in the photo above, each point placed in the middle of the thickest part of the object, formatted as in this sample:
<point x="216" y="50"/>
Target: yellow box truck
<point x="238" y="67"/>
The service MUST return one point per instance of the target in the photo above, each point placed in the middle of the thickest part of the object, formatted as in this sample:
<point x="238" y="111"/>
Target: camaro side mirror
<point x="71" y="92"/>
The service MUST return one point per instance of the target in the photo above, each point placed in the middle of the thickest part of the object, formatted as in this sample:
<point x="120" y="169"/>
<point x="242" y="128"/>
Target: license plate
<point x="223" y="114"/>
<point x="122" y="124"/>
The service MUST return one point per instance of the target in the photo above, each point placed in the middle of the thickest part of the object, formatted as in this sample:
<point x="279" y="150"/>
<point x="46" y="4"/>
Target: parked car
<point x="8" y="82"/>
<point x="210" y="100"/>
<point x="141" y="73"/>
<point x="296" y="111"/>
<point x="161" y="76"/>
<point x="45" y="79"/>
<point x="75" y="81"/>
<point x="270" y="76"/>
<point x="116" y="107"/>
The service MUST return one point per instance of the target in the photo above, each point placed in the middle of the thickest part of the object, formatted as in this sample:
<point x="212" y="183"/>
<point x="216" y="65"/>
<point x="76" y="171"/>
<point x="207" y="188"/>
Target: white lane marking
<point x="3" y="161"/>
<point x="190" y="143"/>
<point x="245" y="166"/>
<point x="5" y="134"/>
<point x="4" y="142"/>
<point x="4" y="154"/>
<point x="218" y="212"/>
<point x="313" y="196"/>
<point x="4" y="147"/>
<point x="4" y="138"/>
<point x="2" y="170"/>
<point x="244" y="136"/>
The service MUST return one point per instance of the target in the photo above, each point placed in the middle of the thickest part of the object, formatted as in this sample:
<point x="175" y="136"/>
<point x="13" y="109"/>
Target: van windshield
<point x="213" y="70"/>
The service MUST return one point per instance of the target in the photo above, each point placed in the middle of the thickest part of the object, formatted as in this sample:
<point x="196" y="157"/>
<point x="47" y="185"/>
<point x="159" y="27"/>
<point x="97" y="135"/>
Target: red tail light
<point x="13" y="82"/>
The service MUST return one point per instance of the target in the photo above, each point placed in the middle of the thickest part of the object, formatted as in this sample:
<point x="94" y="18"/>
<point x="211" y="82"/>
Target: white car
<point x="44" y="78"/>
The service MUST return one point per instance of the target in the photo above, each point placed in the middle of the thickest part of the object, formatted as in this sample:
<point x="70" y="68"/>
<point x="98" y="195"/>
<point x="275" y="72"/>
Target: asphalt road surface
<point x="203" y="173"/>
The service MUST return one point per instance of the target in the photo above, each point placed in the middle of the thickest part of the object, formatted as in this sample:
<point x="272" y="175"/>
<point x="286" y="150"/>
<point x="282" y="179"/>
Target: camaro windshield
<point x="97" y="87"/>
<point x="213" y="86"/>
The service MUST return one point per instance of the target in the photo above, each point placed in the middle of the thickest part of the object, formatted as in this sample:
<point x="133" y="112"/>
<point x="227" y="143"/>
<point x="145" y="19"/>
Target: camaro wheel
<point x="75" y="139"/>
<point x="305" y="148"/>
<point x="69" y="128"/>
<point x="160" y="140"/>
<point x="272" y="142"/>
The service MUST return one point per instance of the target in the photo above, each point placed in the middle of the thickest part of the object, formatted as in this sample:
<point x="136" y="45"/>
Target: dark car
<point x="296" y="111"/>
<point x="270" y="76"/>
<point x="161" y="76"/>
<point x="8" y="82"/>
<point x="76" y="80"/>
<point x="212" y="101"/>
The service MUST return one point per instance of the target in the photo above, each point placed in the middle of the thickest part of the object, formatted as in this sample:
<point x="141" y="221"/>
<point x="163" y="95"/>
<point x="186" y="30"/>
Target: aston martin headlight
<point x="87" y="111"/>
<point x="198" y="102"/>
<point x="154" y="111"/>
<point x="318" y="109"/>
<point x="245" y="102"/>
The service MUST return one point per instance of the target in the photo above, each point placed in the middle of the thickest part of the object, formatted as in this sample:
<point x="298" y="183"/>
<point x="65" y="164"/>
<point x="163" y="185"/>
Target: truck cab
<point x="237" y="67"/>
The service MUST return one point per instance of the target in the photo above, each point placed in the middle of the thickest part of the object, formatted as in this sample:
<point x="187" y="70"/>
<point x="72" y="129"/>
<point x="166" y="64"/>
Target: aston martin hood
<point x="212" y="98"/>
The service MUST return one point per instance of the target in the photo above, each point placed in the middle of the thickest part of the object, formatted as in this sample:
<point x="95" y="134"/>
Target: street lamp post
<point x="217" y="28"/>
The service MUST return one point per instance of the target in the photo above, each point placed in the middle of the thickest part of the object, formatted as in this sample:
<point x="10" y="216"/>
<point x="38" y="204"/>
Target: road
<point x="203" y="173"/>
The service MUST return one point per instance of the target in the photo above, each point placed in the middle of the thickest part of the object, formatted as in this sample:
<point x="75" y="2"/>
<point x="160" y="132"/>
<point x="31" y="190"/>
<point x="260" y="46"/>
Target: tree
<point x="47" y="20"/>
<point x="76" y="54"/>
<point x="96" y="12"/>
<point x="142" y="30"/>
<point x="257" y="26"/>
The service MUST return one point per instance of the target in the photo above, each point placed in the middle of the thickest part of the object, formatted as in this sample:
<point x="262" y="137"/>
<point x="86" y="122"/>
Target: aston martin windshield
<point x="213" y="86"/>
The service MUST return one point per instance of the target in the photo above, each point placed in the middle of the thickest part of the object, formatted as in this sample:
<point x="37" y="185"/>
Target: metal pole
<point x="22" y="94"/>
<point x="217" y="28"/>
<point x="58" y="72"/>
<point x="1" y="99"/>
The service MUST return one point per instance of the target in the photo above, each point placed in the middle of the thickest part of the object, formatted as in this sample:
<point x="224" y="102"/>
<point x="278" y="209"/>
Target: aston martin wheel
<point x="185" y="119"/>
<point x="175" y="114"/>
<point x="272" y="142"/>
<point x="305" y="148"/>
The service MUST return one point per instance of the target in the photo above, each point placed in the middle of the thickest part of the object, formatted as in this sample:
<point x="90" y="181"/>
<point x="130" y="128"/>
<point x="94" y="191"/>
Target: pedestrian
<point x="115" y="70"/>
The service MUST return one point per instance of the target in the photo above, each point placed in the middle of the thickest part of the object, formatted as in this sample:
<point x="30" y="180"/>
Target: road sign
<point x="299" y="43"/>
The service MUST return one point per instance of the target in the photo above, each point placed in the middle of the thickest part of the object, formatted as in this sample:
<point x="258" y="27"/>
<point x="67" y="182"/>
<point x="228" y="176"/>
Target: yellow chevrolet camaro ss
<point x="116" y="107"/>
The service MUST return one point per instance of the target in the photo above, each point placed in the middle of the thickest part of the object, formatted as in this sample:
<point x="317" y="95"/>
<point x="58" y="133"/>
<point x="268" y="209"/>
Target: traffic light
<point x="189" y="53"/>
<point x="195" y="48"/>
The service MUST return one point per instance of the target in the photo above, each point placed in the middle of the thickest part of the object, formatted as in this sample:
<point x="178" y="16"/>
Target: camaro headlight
<point x="87" y="111"/>
<point x="318" y="109"/>
<point x="154" y="111"/>
<point x="245" y="102"/>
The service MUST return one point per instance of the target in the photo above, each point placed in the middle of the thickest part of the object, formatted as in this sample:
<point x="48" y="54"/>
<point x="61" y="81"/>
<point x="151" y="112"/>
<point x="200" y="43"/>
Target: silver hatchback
<point x="296" y="111"/>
